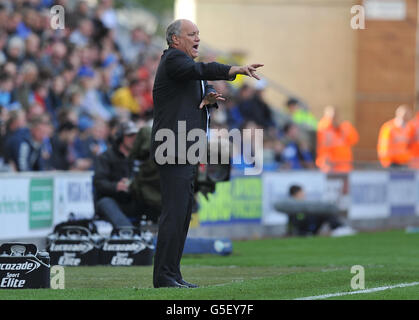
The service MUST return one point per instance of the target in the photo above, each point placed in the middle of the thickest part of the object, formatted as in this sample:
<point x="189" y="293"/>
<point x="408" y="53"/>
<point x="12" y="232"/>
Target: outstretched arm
<point x="179" y="66"/>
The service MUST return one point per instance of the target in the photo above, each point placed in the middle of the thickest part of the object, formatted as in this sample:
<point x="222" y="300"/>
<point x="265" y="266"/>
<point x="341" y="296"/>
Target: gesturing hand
<point x="211" y="98"/>
<point x="248" y="70"/>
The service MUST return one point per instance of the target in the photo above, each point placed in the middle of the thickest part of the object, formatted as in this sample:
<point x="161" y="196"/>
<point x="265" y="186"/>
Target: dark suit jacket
<point x="177" y="94"/>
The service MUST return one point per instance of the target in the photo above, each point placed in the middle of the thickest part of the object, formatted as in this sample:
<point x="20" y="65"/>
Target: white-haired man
<point x="181" y="94"/>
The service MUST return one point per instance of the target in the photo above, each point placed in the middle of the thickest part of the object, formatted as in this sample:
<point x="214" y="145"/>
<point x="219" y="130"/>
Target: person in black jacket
<point x="181" y="94"/>
<point x="114" y="199"/>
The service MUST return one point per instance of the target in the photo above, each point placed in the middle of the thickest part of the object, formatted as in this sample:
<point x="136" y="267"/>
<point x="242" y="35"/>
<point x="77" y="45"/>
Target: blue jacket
<point x="23" y="151"/>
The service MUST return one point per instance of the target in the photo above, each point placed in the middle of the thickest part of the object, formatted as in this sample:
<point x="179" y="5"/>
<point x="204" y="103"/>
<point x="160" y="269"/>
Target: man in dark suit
<point x="181" y="95"/>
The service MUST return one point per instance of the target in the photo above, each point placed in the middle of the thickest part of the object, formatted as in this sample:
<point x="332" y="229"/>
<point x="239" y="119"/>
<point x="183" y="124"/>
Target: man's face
<point x="188" y="41"/>
<point x="40" y="132"/>
<point x="129" y="141"/>
<point x="300" y="195"/>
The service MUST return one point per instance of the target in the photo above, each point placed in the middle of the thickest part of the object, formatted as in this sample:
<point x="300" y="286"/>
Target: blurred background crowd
<point x="64" y="92"/>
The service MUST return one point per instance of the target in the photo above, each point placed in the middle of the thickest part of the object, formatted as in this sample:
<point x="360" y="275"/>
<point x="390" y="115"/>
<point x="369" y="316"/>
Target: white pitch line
<point x="325" y="296"/>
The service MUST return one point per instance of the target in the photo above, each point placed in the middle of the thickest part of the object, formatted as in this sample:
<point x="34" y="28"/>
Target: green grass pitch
<point x="281" y="268"/>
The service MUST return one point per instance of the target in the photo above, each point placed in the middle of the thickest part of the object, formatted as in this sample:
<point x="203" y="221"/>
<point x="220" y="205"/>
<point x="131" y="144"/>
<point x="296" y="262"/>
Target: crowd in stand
<point x="64" y="92"/>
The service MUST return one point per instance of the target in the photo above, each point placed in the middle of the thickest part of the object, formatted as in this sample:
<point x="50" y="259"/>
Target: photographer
<point x="114" y="199"/>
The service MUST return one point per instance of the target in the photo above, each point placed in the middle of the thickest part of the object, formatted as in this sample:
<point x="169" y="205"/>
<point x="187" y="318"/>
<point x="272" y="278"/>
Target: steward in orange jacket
<point x="413" y="131"/>
<point x="334" y="142"/>
<point x="393" y="140"/>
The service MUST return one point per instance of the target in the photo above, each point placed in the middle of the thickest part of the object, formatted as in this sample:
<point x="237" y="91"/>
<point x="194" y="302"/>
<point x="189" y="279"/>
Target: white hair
<point x="173" y="29"/>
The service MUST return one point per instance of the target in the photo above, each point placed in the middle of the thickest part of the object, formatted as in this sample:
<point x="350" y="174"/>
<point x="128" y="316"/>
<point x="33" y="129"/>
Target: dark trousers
<point x="177" y="188"/>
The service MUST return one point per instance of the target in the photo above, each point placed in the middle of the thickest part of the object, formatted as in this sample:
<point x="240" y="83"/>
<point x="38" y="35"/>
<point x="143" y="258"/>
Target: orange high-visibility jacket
<point x="413" y="131"/>
<point x="393" y="142"/>
<point x="334" y="146"/>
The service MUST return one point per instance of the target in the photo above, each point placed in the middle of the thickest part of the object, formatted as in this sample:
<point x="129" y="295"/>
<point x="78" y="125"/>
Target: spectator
<point x="67" y="115"/>
<point x="10" y="69"/>
<point x="94" y="141"/>
<point x="14" y="19"/>
<point x="393" y="140"/>
<point x="304" y="224"/>
<point x="335" y="139"/>
<point x="295" y="154"/>
<point x="91" y="103"/>
<point x="55" y="61"/>
<point x="253" y="107"/>
<point x="272" y="149"/>
<point x="15" y="50"/>
<point x="40" y="93"/>
<point x="300" y="115"/>
<point x="64" y="155"/>
<point x="81" y="36"/>
<point x="134" y="49"/>
<point x="114" y="199"/>
<point x="129" y="97"/>
<point x="234" y="117"/>
<point x="32" y="47"/>
<point x="27" y="76"/>
<point x="108" y="14"/>
<point x="81" y="11"/>
<point x="55" y="98"/>
<point x="26" y="146"/>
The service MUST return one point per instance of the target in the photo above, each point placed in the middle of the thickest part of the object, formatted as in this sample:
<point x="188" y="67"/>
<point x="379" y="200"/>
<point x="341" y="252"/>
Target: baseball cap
<point x="129" y="128"/>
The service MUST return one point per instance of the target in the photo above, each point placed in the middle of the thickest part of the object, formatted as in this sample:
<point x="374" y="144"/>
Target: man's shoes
<point x="185" y="283"/>
<point x="169" y="284"/>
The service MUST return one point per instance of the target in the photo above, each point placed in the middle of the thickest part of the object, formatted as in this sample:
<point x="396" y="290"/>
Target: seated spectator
<point x="114" y="199"/>
<point x="54" y="61"/>
<point x="234" y="117"/>
<point x="64" y="155"/>
<point x="253" y="106"/>
<point x="295" y="154"/>
<point x="91" y="103"/>
<point x="26" y="146"/>
<point x="15" y="126"/>
<point x="15" y="50"/>
<point x="129" y="97"/>
<point x="113" y="71"/>
<point x="32" y="48"/>
<point x="250" y="147"/>
<point x="40" y="92"/>
<point x="55" y="98"/>
<point x="93" y="141"/>
<point x="81" y="11"/>
<point x="134" y="48"/>
<point x="272" y="148"/>
<point x="80" y="37"/>
<point x="27" y="76"/>
<point x="305" y="224"/>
